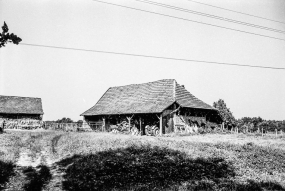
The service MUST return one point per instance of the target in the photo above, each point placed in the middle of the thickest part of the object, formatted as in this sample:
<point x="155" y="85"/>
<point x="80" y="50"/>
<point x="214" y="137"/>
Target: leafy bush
<point x="37" y="180"/>
<point x="6" y="170"/>
<point x="140" y="168"/>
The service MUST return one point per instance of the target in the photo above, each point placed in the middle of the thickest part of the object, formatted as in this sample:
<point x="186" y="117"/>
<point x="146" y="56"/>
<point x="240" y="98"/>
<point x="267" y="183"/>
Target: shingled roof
<point x="152" y="97"/>
<point x="20" y="105"/>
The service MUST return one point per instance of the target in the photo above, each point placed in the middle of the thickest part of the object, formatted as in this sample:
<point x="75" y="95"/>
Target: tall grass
<point x="256" y="162"/>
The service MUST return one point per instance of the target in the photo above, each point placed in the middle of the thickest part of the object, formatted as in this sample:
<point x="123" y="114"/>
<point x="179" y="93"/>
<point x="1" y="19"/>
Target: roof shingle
<point x="152" y="97"/>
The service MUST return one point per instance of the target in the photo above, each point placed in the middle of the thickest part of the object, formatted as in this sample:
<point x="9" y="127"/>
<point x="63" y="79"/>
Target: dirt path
<point x="38" y="149"/>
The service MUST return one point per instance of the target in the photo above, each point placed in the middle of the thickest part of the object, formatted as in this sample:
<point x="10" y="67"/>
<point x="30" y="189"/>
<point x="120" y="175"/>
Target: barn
<point x="20" y="112"/>
<point x="158" y="107"/>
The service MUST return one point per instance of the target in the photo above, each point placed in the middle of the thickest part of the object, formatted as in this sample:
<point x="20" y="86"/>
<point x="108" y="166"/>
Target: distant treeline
<point x="65" y="120"/>
<point x="257" y="123"/>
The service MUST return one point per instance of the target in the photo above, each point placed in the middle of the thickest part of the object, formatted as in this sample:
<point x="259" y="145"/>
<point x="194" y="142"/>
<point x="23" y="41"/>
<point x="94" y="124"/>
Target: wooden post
<point x="103" y="125"/>
<point x="140" y="126"/>
<point x="129" y="119"/>
<point x="262" y="131"/>
<point x="276" y="133"/>
<point x="174" y="122"/>
<point x="160" y="124"/>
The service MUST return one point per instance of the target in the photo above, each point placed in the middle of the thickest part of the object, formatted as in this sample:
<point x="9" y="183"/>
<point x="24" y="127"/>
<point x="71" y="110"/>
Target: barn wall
<point x="20" y="121"/>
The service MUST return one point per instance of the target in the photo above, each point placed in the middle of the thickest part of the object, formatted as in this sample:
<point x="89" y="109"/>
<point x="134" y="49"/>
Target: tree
<point x="6" y="37"/>
<point x="64" y="120"/>
<point x="79" y="121"/>
<point x="225" y="113"/>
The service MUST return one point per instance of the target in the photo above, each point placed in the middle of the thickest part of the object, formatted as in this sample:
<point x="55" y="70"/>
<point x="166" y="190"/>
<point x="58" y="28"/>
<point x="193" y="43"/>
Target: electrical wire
<point x="189" y="20"/>
<point x="237" y="12"/>
<point x="150" y="56"/>
<point x="211" y="16"/>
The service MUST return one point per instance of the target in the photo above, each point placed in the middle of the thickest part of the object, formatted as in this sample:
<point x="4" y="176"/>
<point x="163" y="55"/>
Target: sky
<point x="69" y="82"/>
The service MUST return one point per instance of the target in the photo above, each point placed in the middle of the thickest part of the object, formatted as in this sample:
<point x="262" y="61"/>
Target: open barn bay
<point x="53" y="160"/>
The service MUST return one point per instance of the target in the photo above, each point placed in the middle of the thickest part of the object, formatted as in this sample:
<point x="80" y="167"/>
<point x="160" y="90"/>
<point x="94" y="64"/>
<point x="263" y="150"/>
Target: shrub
<point x="6" y="171"/>
<point x="37" y="180"/>
<point x="139" y="168"/>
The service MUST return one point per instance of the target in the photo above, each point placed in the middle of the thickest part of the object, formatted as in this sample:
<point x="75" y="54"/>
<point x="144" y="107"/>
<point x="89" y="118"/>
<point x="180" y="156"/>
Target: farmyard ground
<point x="105" y="161"/>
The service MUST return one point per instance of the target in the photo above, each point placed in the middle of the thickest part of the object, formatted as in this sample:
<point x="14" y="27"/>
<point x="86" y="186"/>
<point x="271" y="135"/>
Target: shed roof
<point x="152" y="97"/>
<point x="20" y="105"/>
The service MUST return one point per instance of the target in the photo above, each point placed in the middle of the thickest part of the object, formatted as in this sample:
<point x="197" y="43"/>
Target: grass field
<point x="52" y="160"/>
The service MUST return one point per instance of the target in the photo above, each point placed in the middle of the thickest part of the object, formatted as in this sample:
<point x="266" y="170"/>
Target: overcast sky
<point x="70" y="82"/>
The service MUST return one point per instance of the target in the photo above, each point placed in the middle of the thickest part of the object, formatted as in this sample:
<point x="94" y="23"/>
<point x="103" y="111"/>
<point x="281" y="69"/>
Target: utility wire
<point x="150" y="56"/>
<point x="189" y="20"/>
<point x="237" y="12"/>
<point x="211" y="16"/>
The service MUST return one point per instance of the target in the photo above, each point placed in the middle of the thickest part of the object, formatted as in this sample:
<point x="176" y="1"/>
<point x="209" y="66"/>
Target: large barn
<point x="164" y="105"/>
<point x="20" y="112"/>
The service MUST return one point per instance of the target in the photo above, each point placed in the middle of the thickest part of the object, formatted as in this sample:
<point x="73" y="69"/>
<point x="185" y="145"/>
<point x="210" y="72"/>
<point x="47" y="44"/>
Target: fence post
<point x="262" y="131"/>
<point x="276" y="132"/>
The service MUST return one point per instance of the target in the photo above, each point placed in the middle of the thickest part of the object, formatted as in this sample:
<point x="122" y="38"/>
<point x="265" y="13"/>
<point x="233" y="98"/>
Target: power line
<point x="190" y="20"/>
<point x="237" y="12"/>
<point x="211" y="16"/>
<point x="150" y="56"/>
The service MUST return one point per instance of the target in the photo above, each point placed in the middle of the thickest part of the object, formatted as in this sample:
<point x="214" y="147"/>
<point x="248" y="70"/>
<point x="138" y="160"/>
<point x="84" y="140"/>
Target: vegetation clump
<point x="139" y="168"/>
<point x="37" y="179"/>
<point x="6" y="171"/>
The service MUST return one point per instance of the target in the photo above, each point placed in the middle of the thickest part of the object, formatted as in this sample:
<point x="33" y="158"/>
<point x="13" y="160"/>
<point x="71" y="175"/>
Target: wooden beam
<point x="175" y="110"/>
<point x="103" y="125"/>
<point x="160" y="124"/>
<point x="158" y="117"/>
<point x="129" y="119"/>
<point x="140" y="126"/>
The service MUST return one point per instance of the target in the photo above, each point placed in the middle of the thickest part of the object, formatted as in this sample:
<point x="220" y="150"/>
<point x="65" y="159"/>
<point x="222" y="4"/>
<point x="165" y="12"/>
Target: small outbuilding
<point x="18" y="112"/>
<point x="158" y="107"/>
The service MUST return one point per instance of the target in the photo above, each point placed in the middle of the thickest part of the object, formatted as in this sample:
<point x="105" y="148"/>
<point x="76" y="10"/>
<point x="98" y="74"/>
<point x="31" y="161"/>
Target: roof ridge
<point x="194" y="98"/>
<point x="141" y="83"/>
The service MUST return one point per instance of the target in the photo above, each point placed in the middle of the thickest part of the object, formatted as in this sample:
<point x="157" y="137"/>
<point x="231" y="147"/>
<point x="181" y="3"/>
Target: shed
<point x="160" y="103"/>
<point x="15" y="110"/>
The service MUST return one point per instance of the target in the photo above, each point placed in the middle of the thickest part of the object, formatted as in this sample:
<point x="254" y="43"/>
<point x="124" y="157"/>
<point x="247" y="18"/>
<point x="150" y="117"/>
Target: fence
<point x="62" y="126"/>
<point x="260" y="131"/>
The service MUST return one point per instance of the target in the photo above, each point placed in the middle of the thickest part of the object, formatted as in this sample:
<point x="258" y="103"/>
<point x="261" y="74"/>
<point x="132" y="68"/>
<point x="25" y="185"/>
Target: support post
<point x="140" y="126"/>
<point x="103" y="125"/>
<point x="160" y="124"/>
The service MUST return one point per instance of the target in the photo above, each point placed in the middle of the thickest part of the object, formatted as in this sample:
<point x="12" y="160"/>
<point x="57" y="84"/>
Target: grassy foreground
<point x="105" y="161"/>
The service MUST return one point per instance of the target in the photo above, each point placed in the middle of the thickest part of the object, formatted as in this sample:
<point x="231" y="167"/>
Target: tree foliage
<point x="253" y="124"/>
<point x="6" y="37"/>
<point x="64" y="120"/>
<point x="225" y="113"/>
